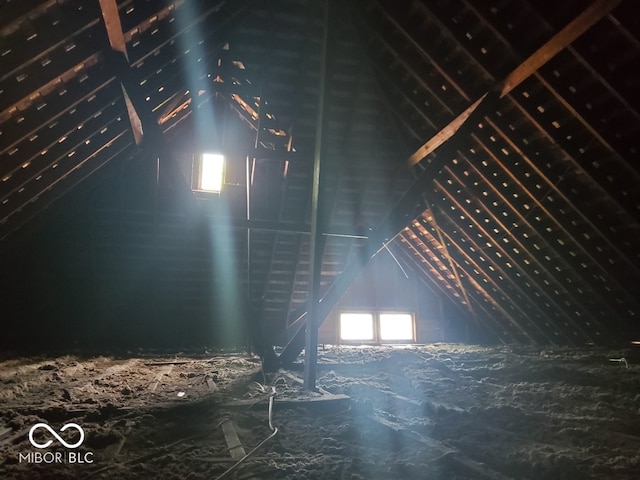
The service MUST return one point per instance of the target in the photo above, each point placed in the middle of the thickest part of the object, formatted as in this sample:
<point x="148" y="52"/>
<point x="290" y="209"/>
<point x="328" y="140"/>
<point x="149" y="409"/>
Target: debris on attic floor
<point x="438" y="411"/>
<point x="524" y="224"/>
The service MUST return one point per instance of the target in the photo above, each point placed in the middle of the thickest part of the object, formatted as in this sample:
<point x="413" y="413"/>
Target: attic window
<point x="397" y="327"/>
<point x="377" y="327"/>
<point x="356" y="327"/>
<point x="208" y="172"/>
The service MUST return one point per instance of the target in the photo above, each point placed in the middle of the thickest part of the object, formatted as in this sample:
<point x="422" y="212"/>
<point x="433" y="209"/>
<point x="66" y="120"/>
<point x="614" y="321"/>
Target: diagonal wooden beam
<point x="136" y="123"/>
<point x="111" y="18"/>
<point x="591" y="15"/>
<point x="452" y="263"/>
<point x="393" y="223"/>
<point x="561" y="40"/>
<point x="444" y="134"/>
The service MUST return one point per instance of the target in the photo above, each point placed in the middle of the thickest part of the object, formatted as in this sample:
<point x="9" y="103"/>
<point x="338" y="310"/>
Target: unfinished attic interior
<point x="313" y="239"/>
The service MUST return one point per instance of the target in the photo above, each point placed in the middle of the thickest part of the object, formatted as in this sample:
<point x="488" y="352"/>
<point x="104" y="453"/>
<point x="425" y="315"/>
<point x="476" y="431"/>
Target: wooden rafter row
<point x="486" y="311"/>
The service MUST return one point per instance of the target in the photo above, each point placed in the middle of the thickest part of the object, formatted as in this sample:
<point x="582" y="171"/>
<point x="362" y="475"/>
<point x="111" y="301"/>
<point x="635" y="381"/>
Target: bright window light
<point x="396" y="327"/>
<point x="211" y="170"/>
<point x="356" y="326"/>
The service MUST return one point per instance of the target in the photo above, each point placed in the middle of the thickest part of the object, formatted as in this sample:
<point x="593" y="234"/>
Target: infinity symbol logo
<point x="58" y="437"/>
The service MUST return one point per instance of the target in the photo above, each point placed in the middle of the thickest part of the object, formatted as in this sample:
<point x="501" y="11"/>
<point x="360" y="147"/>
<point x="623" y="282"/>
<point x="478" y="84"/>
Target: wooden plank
<point x="13" y="438"/>
<point x="233" y="442"/>
<point x="299" y="381"/>
<point x="331" y="400"/>
<point x="589" y="17"/>
<point x="455" y="459"/>
<point x="175" y="362"/>
<point x="438" y="447"/>
<point x="15" y="14"/>
<point x="134" y="118"/>
<point x="165" y="371"/>
<point x="111" y="18"/>
<point x="111" y="451"/>
<point x="445" y="134"/>
<point x="595" y="12"/>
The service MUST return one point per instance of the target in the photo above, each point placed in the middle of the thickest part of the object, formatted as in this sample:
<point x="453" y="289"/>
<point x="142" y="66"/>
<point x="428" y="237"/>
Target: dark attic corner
<point x="295" y="239"/>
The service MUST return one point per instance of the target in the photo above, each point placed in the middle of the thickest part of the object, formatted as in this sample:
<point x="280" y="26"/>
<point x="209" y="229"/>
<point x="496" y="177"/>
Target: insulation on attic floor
<point x="437" y="411"/>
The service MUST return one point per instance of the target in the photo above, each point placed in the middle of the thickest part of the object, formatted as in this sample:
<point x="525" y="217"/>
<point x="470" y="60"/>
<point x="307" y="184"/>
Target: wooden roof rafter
<point x="443" y="245"/>
<point x="484" y="317"/>
<point x="489" y="289"/>
<point x="501" y="282"/>
<point x="557" y="192"/>
<point x="520" y="273"/>
<point x="523" y="254"/>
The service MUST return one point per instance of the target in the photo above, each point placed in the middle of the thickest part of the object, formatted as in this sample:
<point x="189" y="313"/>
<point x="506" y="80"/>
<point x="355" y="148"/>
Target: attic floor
<point x="436" y="411"/>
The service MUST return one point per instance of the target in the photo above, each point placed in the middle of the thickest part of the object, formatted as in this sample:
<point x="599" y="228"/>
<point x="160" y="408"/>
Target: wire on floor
<point x="274" y="431"/>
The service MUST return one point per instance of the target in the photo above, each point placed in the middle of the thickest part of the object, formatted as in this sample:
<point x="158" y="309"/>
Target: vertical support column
<point x="249" y="169"/>
<point x="249" y="166"/>
<point x="248" y="163"/>
<point x="315" y="254"/>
